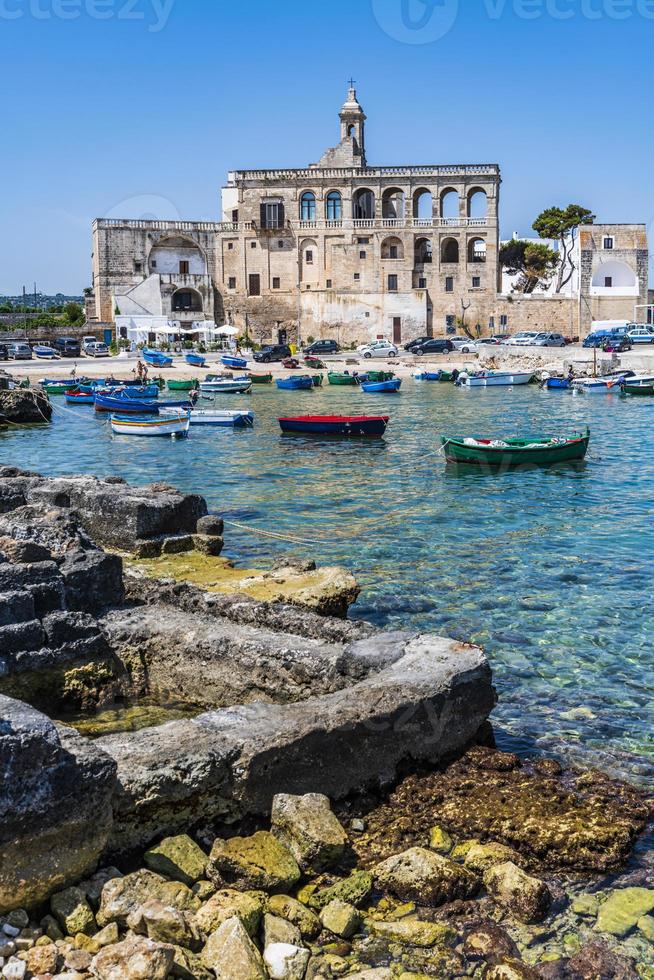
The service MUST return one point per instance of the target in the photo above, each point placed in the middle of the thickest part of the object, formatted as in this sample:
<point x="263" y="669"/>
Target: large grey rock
<point x="232" y="955"/>
<point x="56" y="811"/>
<point x="25" y="406"/>
<point x="528" y="898"/>
<point x="136" y="958"/>
<point x="422" y="876"/>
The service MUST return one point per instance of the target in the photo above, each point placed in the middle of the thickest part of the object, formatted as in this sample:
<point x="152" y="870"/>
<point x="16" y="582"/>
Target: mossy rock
<point x="353" y="890"/>
<point x="256" y="862"/>
<point x="621" y="911"/>
<point x="179" y="858"/>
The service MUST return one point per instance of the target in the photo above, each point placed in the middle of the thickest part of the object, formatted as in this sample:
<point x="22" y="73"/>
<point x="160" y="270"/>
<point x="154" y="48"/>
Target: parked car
<point x="439" y="345"/>
<point x="87" y="341"/>
<point x="411" y="346"/>
<point x="617" y="345"/>
<point x="20" y="351"/>
<point x="641" y="334"/>
<point x="322" y="347"/>
<point x="381" y="348"/>
<point x="96" y="349"/>
<point x="549" y="340"/>
<point x="4" y="352"/>
<point x="67" y="347"/>
<point x="464" y="344"/>
<point x="523" y="339"/>
<point x="272" y="352"/>
<point x="596" y="339"/>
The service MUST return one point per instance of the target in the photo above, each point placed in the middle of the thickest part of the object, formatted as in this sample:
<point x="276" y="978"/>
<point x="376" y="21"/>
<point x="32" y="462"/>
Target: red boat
<point x="291" y="363"/>
<point x="336" y="425"/>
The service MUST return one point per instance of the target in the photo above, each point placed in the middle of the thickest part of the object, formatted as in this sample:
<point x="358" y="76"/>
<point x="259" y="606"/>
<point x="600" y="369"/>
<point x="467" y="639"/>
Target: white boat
<point x="494" y="379"/>
<point x="215" y="416"/>
<point x="223" y="386"/>
<point x="166" y="424"/>
<point x="610" y="383"/>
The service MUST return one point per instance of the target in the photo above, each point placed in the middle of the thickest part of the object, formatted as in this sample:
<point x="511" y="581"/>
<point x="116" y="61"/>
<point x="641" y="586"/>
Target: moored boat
<point x="54" y="386"/>
<point x="241" y="418"/>
<point x="301" y="382"/>
<point x="494" y="379"/>
<point x="317" y="380"/>
<point x="79" y="398"/>
<point x="639" y="389"/>
<point x="163" y="425"/>
<point x="44" y="352"/>
<point x="380" y="375"/>
<point x="188" y="385"/>
<point x="381" y="387"/>
<point x="155" y="357"/>
<point x="261" y="379"/>
<point x="558" y="384"/>
<point x="239" y="363"/>
<point x="195" y="360"/>
<point x="536" y="450"/>
<point x="427" y="375"/>
<point x="226" y="386"/>
<point x="339" y="425"/>
<point x="341" y="378"/>
<point x="314" y="362"/>
<point x="146" y="392"/>
<point x="134" y="406"/>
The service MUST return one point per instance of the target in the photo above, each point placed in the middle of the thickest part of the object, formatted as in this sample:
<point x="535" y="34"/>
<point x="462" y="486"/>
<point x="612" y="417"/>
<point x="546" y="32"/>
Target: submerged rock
<point x="623" y="908"/>
<point x="422" y="876"/>
<point x="596" y="961"/>
<point x="529" y="899"/>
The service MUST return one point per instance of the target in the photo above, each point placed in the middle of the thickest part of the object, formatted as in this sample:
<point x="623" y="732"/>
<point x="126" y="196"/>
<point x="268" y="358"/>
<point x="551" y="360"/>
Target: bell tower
<point x="353" y="126"/>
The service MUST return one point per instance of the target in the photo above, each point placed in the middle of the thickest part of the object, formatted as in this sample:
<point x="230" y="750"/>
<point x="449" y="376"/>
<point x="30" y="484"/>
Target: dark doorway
<point x="254" y="287"/>
<point x="397" y="329"/>
<point x="282" y="336"/>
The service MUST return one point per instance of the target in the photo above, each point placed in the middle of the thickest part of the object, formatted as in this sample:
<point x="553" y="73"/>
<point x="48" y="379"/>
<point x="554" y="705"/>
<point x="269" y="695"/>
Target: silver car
<point x="20" y="351"/>
<point x="549" y="340"/>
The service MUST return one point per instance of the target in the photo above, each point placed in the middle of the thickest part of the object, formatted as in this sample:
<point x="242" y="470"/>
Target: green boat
<point x="337" y="378"/>
<point x="537" y="450"/>
<point x="445" y="376"/>
<point x="261" y="379"/>
<point x="317" y="380"/>
<point x="380" y="375"/>
<point x="182" y="385"/>
<point x="628" y="389"/>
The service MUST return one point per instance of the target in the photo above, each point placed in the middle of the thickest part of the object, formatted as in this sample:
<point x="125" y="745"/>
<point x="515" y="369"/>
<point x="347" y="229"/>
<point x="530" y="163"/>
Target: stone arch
<point x="423" y="204"/>
<point x="477" y="206"/>
<point x="449" y="203"/>
<point x="363" y="204"/>
<point x="309" y="265"/>
<point x="333" y="206"/>
<point x="477" y="250"/>
<point x="449" y="250"/>
<point x="615" y="275"/>
<point x="186" y="300"/>
<point x="308" y="206"/>
<point x="422" y="251"/>
<point x="167" y="252"/>
<point x="393" y="204"/>
<point x="392" y="248"/>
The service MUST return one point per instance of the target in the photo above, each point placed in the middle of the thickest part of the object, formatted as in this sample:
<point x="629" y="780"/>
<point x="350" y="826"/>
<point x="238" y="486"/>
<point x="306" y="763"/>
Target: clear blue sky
<point x="145" y="110"/>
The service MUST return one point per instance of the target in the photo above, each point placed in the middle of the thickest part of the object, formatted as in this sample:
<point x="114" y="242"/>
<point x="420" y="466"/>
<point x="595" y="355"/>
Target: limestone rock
<point x="597" y="960"/>
<point x="25" y="406"/>
<point x="297" y="913"/>
<point x="257" y="862"/>
<point x="163" y="924"/>
<point x="354" y="890"/>
<point x="229" y="904"/>
<point x="511" y="970"/>
<point x="529" y="899"/>
<point x="491" y="943"/>
<point x="121" y="896"/>
<point x="136" y="958"/>
<point x="423" y="876"/>
<point x="47" y="842"/>
<point x="42" y="959"/>
<point x="480" y="857"/>
<point x="646" y="926"/>
<point x="179" y="858"/>
<point x="309" y="829"/>
<point x="232" y="955"/>
<point x="92" y="887"/>
<point x="278" y="930"/>
<point x="623" y="908"/>
<point x="340" y="918"/>
<point x="414" y="933"/>
<point x="586" y="905"/>
<point x="440" y="841"/>
<point x="286" y="962"/>
<point x="73" y="912"/>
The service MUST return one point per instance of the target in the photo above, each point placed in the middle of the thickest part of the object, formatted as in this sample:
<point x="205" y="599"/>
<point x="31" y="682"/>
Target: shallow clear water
<point x="551" y="572"/>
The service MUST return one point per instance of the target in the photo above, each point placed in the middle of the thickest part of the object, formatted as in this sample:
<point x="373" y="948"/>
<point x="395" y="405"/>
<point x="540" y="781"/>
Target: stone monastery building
<point x="351" y="251"/>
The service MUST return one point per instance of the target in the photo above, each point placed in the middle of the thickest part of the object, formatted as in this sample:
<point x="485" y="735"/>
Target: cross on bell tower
<point x="353" y="126"/>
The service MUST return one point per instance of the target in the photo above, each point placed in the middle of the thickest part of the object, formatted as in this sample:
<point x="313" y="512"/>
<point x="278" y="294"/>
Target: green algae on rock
<point x="621" y="911"/>
<point x="256" y="862"/>
<point x="179" y="858"/>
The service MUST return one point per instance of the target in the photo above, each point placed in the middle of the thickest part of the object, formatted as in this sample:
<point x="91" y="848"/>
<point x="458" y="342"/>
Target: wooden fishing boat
<point x="291" y="363"/>
<point x="143" y="392"/>
<point x="380" y="375"/>
<point x="314" y="362"/>
<point x="59" y="387"/>
<point x="427" y="375"/>
<point x="79" y="398"/>
<point x="182" y="385"/>
<point x="382" y="387"/>
<point x="341" y="378"/>
<point x="446" y="376"/>
<point x="238" y="363"/>
<point x="164" y="425"/>
<point x="494" y="379"/>
<point x="317" y="380"/>
<point x="195" y="360"/>
<point x="240" y="418"/>
<point x="336" y="425"/>
<point x="536" y="450"/>
<point x="261" y="379"/>
<point x="639" y="389"/>
<point x="134" y="406"/>
<point x="301" y="382"/>
<point x="226" y="386"/>
<point x="44" y="352"/>
<point x="156" y="358"/>
<point x="558" y="384"/>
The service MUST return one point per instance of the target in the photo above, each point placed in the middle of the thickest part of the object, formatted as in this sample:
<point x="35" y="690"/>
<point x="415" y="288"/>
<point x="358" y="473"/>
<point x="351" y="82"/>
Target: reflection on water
<point x="549" y="570"/>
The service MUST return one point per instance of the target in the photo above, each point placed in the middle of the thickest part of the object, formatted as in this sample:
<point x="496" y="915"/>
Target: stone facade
<point x="346" y="250"/>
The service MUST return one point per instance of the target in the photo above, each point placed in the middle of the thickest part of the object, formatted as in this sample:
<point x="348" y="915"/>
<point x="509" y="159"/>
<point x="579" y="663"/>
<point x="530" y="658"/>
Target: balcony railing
<point x="357" y="223"/>
<point x="367" y="173"/>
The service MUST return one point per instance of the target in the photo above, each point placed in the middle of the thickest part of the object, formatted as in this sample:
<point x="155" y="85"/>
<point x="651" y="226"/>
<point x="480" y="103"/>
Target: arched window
<point x="308" y="206"/>
<point x="334" y="206"/>
<point x="450" y="204"/>
<point x="187" y="301"/>
<point x="477" y="250"/>
<point x="423" y="205"/>
<point x="393" y="204"/>
<point x="477" y="203"/>
<point x="450" y="250"/>
<point x="363" y="204"/>
<point x="392" y="248"/>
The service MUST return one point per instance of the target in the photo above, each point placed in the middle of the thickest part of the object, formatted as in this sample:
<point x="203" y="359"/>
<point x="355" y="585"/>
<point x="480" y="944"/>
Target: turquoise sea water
<point x="550" y="571"/>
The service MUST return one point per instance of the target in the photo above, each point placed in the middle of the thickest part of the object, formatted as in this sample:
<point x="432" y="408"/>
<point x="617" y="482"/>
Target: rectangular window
<point x="491" y="322"/>
<point x="235" y="216"/>
<point x="272" y="215"/>
<point x="392" y="284"/>
<point x="362" y="255"/>
<point x="183" y="268"/>
<point x="363" y="241"/>
<point x="230" y="246"/>
<point x="154" y="263"/>
<point x="329" y="284"/>
<point x="280" y="244"/>
<point x="504" y="320"/>
<point x="308" y="256"/>
<point x="357" y="276"/>
<point x="254" y="285"/>
<point x="422" y="283"/>
<point x="253" y="244"/>
<point x="138" y="267"/>
<point x="450" y="322"/>
<point x="608" y="282"/>
<point x="476" y="282"/>
<point x="393" y="252"/>
<point x="608" y="243"/>
<point x="232" y="282"/>
<point x="276" y="282"/>
<point x="449" y="284"/>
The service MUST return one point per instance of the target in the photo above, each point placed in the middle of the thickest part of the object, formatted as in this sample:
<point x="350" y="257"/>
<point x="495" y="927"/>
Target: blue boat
<point x="134" y="406"/>
<point x="156" y="358"/>
<point x="79" y="398"/>
<point x="195" y="360"/>
<point x="143" y="392"/>
<point x="382" y="387"/>
<point x="336" y="425"/>
<point x="301" y="382"/>
<point x="239" y="363"/>
<point x="427" y="376"/>
<point x="558" y="384"/>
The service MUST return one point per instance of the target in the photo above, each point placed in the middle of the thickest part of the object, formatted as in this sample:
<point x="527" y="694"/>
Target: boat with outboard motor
<point x="493" y="379"/>
<point x="226" y="386"/>
<point x="166" y="424"/>
<point x="381" y="387"/>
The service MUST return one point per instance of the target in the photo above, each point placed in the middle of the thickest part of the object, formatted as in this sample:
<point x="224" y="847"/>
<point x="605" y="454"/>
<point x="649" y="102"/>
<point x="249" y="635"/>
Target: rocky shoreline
<point x="332" y="805"/>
